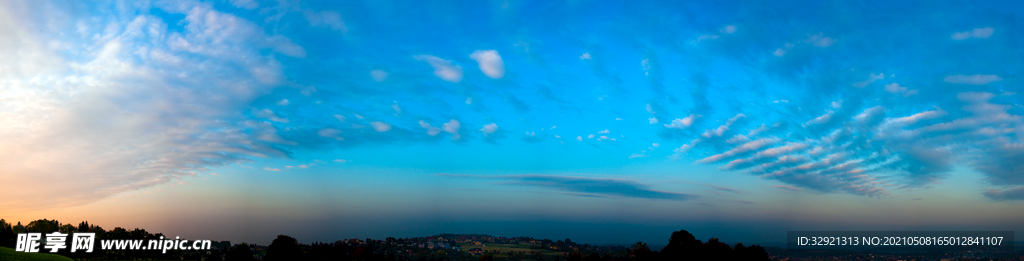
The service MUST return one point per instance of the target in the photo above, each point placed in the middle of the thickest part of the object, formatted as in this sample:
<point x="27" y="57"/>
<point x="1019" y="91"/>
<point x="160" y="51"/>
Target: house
<point x="476" y="251"/>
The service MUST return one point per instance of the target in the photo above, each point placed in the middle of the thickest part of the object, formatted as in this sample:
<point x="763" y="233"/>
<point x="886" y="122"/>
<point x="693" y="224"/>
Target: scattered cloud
<point x="981" y="33"/>
<point x="330" y="133"/>
<point x="1004" y="195"/>
<point x="490" y="63"/>
<point x="977" y="79"/>
<point x="897" y="89"/>
<point x="728" y="29"/>
<point x="819" y="40"/>
<point x="785" y="187"/>
<point x="431" y="130"/>
<point x="269" y="114"/>
<point x="379" y="75"/>
<point x="489" y="128"/>
<point x="682" y="123"/>
<point x="585" y="56"/>
<point x="443" y="69"/>
<point x="871" y="78"/>
<point x="452" y="126"/>
<point x="326" y="19"/>
<point x="380" y="126"/>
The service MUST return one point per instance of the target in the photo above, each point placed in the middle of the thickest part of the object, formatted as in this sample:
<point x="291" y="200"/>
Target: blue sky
<point x="330" y="120"/>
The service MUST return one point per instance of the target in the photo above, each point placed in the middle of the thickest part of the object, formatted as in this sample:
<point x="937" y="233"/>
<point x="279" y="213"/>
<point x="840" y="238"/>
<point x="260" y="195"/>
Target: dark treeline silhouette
<point x="684" y="246"/>
<point x="681" y="246"/>
<point x="8" y="238"/>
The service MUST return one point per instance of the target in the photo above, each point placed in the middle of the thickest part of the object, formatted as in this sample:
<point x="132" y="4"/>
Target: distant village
<point x="454" y="247"/>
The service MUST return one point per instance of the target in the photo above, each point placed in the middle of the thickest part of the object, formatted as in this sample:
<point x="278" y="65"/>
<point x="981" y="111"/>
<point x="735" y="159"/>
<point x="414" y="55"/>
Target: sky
<point x="605" y="122"/>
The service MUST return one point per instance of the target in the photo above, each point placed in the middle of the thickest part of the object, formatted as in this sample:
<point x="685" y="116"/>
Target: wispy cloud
<point x="982" y="33"/>
<point x="602" y="187"/>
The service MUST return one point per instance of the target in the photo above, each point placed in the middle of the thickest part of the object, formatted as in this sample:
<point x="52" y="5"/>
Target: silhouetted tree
<point x="43" y="226"/>
<point x="283" y="248"/>
<point x="241" y="252"/>
<point x="753" y="252"/>
<point x="641" y="251"/>
<point x="716" y="249"/>
<point x="7" y="236"/>
<point x="575" y="256"/>
<point x="682" y="246"/>
<point x="486" y="257"/>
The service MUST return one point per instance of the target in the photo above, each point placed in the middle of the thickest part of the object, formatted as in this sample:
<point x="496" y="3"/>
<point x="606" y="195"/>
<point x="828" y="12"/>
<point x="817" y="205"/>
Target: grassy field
<point x="9" y="254"/>
<point x="503" y="249"/>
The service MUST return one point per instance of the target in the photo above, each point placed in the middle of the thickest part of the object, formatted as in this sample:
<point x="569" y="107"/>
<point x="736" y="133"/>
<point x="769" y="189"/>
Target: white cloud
<point x="245" y="4"/>
<point x="65" y="119"/>
<point x="380" y="126"/>
<point x="469" y="101"/>
<point x="215" y="33"/>
<point x="779" y="52"/>
<point x="379" y="75"/>
<point x="636" y="155"/>
<point x="330" y="133"/>
<point x="729" y="29"/>
<point x="819" y="40"/>
<point x="897" y="89"/>
<point x="977" y="79"/>
<point x="431" y="130"/>
<point x="820" y="119"/>
<point x="340" y="161"/>
<point x="326" y="19"/>
<point x="585" y="56"/>
<point x="982" y="33"/>
<point x="716" y="132"/>
<point x="871" y="78"/>
<point x="837" y="104"/>
<point x="604" y="131"/>
<point x="655" y="145"/>
<point x="649" y="108"/>
<point x="682" y="123"/>
<point x="443" y="69"/>
<point x="282" y="102"/>
<point x="683" y="149"/>
<point x="339" y="117"/>
<point x="746" y="147"/>
<point x="652" y="120"/>
<point x="397" y="109"/>
<point x="269" y="114"/>
<point x="579" y="138"/>
<point x="490" y="63"/>
<point x="646" y="65"/>
<point x="452" y="126"/>
<point x="591" y="136"/>
<point x="738" y="138"/>
<point x="489" y="128"/>
<point x="531" y="134"/>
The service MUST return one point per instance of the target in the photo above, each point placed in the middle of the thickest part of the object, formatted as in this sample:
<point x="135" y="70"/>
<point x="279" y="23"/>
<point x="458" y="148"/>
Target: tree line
<point x="682" y="246"/>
